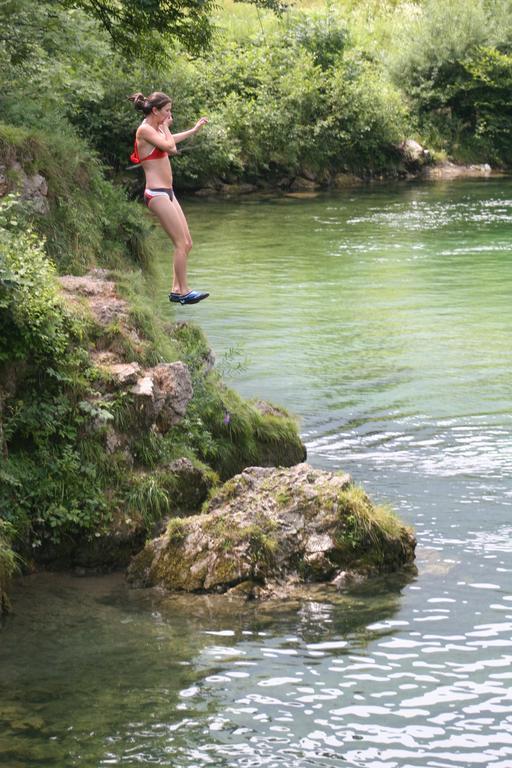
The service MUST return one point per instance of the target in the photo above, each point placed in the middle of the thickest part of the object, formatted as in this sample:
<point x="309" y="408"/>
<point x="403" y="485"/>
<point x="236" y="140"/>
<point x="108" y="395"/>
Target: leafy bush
<point x="366" y="118"/>
<point x="280" y="99"/>
<point x="453" y="59"/>
<point x="324" y="35"/>
<point x="8" y="560"/>
<point x="484" y="103"/>
<point x="32" y="318"/>
<point x="45" y="483"/>
<point x="284" y="101"/>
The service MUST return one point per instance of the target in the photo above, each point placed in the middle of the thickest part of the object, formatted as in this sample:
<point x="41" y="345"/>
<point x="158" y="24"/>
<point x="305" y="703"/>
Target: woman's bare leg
<point x="173" y="222"/>
<point x="188" y="237"/>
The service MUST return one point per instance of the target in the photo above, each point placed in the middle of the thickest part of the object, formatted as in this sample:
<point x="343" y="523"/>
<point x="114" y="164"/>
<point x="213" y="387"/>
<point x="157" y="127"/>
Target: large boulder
<point x="414" y="156"/>
<point x="270" y="527"/>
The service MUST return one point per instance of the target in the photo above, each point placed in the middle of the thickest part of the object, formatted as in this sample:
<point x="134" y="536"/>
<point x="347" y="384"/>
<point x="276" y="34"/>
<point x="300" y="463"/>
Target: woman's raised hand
<point x="202" y="121"/>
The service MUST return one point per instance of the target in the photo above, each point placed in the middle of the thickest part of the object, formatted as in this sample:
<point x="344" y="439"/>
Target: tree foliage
<point x="453" y="60"/>
<point x="144" y="27"/>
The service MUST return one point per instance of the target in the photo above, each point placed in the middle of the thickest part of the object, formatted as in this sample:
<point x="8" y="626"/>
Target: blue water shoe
<point x="192" y="297"/>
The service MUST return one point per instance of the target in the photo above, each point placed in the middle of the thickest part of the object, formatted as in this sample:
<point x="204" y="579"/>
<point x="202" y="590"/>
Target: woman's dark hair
<point x="146" y="104"/>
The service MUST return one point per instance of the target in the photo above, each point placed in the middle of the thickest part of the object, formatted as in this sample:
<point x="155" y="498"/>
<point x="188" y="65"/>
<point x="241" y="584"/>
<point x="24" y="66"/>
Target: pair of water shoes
<point x="192" y="297"/>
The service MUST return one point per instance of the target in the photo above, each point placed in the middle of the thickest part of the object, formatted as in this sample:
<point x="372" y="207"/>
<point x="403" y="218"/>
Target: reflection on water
<point x="389" y="675"/>
<point x="381" y="317"/>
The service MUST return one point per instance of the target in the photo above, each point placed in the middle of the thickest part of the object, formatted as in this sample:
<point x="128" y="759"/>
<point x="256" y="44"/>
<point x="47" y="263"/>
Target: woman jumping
<point x="153" y="144"/>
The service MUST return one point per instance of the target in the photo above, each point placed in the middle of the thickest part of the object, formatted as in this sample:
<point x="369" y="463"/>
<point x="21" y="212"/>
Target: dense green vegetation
<point x="58" y="479"/>
<point x="453" y="62"/>
<point x="317" y="90"/>
<point x="324" y="89"/>
<point x="89" y="219"/>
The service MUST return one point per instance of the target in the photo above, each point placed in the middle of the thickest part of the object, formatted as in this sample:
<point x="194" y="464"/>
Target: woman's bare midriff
<point x="158" y="173"/>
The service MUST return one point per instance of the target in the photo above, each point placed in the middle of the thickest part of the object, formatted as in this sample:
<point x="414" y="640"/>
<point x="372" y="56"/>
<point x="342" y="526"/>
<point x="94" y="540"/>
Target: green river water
<point x="381" y="317"/>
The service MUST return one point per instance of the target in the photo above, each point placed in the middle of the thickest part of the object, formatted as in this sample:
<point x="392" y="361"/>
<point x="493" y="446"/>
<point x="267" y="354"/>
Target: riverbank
<point x="302" y="185"/>
<point x="154" y="442"/>
<point x="106" y="470"/>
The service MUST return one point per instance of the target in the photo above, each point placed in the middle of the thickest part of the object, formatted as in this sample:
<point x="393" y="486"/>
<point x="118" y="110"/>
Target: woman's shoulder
<point x="145" y="131"/>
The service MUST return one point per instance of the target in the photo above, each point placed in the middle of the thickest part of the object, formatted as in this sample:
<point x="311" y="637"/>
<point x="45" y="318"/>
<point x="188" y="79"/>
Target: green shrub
<point x="32" y="319"/>
<point x="453" y="59"/>
<point x="366" y="117"/>
<point x="148" y="498"/>
<point x="324" y="34"/>
<point x="45" y="483"/>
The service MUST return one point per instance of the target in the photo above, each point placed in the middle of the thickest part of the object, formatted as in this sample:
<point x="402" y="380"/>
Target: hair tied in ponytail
<point x="158" y="99"/>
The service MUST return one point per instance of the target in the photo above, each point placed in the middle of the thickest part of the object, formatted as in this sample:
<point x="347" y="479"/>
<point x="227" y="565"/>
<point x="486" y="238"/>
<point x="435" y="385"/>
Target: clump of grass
<point x="149" y="450"/>
<point x="136" y="287"/>
<point x="230" y="433"/>
<point x="9" y="563"/>
<point x="148" y="499"/>
<point x="283" y="497"/>
<point x="177" y="530"/>
<point x="262" y="546"/>
<point x="8" y="558"/>
<point x="366" y="530"/>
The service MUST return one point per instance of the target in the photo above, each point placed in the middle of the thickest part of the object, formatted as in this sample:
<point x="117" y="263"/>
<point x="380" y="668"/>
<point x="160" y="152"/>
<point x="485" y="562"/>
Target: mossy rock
<point x="272" y="526"/>
<point x="188" y="484"/>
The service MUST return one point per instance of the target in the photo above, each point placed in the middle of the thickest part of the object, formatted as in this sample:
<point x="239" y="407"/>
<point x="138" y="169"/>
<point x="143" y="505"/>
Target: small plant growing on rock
<point x="149" y="499"/>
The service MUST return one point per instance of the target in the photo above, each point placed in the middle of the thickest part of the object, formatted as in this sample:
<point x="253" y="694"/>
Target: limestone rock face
<point x="269" y="527"/>
<point x="33" y="189"/>
<point x="100" y="294"/>
<point x="124" y="373"/>
<point x="163" y="393"/>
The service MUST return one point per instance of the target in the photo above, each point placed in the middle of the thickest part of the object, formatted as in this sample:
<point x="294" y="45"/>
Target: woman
<point x="153" y="145"/>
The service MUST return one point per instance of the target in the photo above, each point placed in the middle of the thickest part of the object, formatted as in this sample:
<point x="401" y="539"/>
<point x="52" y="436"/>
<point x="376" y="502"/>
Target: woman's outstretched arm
<point x="191" y="131"/>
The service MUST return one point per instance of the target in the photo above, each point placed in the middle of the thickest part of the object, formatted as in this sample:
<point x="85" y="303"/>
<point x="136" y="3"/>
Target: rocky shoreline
<point x="305" y="186"/>
<point x="253" y="531"/>
<point x="416" y="164"/>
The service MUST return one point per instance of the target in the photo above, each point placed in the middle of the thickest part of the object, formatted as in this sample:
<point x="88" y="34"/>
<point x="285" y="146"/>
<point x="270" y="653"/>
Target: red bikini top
<point x="155" y="154"/>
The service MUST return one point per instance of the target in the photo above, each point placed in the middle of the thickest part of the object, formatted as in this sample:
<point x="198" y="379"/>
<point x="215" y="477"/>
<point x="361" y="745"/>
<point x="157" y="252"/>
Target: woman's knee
<point x="184" y="244"/>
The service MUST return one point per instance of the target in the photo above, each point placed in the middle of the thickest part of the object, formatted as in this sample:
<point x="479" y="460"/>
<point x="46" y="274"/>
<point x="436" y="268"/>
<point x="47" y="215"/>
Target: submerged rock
<point x="270" y="529"/>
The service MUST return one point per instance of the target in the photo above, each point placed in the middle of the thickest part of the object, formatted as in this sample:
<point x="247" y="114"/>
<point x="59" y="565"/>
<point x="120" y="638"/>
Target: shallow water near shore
<point x="381" y="317"/>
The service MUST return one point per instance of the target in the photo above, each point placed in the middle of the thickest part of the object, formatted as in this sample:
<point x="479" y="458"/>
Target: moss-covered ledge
<point x="111" y="421"/>
<point x="271" y="529"/>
